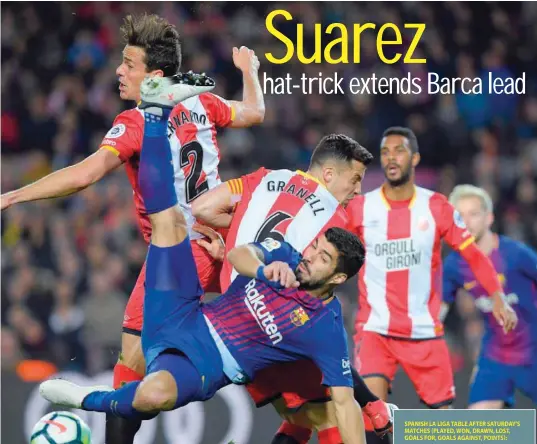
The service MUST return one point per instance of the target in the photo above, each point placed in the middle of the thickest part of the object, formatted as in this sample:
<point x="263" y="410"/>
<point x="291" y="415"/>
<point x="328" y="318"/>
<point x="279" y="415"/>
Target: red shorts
<point x="296" y="382"/>
<point x="209" y="275"/>
<point x="427" y="364"/>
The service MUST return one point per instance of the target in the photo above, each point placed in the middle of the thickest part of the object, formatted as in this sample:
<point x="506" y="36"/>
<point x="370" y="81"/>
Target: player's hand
<point x="504" y="314"/>
<point x="280" y="272"/>
<point x="5" y="201"/>
<point x="245" y="59"/>
<point x="214" y="245"/>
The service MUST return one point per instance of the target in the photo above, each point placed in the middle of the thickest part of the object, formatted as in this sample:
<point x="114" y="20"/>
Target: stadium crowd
<point x="68" y="265"/>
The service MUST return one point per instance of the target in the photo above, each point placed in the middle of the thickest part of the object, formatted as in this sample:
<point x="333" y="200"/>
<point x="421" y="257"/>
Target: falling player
<point x="152" y="48"/>
<point x="506" y="362"/>
<point x="295" y="207"/>
<point x="192" y="349"/>
<point x="401" y="226"/>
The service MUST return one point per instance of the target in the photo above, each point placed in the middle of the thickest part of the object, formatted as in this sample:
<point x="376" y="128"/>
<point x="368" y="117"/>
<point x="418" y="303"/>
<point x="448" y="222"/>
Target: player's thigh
<point x="375" y="362"/>
<point x="492" y="381"/>
<point x="208" y="269"/>
<point x="134" y="311"/>
<point x="131" y="355"/>
<point x="428" y="365"/>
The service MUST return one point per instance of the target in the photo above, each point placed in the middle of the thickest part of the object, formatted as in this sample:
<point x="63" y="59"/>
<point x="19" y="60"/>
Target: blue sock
<point x="156" y="173"/>
<point x="118" y="402"/>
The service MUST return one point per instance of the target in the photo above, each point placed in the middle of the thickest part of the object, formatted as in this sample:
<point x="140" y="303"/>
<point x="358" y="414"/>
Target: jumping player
<point x="152" y="48"/>
<point x="196" y="349"/>
<point x="506" y="362"/>
<point x="294" y="207"/>
<point x="401" y="226"/>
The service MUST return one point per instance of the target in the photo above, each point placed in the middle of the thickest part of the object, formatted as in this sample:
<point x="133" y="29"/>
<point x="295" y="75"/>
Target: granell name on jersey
<point x="185" y="117"/>
<point x="400" y="254"/>
<point x="310" y="198"/>
<point x="263" y="317"/>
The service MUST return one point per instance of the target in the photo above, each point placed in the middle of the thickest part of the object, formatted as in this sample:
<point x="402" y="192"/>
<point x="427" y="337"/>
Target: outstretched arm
<point x="65" y="181"/>
<point x="251" y="110"/>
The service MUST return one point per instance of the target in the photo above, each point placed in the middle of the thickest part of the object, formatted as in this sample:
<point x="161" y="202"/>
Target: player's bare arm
<point x="65" y="181"/>
<point x="348" y="415"/>
<point x="251" y="110"/>
<point x="215" y="207"/>
<point x="248" y="260"/>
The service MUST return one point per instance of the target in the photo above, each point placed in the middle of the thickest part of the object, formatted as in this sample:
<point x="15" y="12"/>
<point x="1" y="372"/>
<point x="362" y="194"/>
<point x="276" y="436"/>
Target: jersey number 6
<point x="268" y="228"/>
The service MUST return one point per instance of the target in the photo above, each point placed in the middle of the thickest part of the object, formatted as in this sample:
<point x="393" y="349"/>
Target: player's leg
<point x="525" y="380"/>
<point x="172" y="381"/>
<point x="492" y="385"/>
<point x="130" y="366"/>
<point x="376" y="363"/>
<point x="428" y="366"/>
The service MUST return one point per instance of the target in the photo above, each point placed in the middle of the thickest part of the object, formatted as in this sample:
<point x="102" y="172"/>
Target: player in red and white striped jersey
<point x="153" y="49"/>
<point x="402" y="227"/>
<point x="293" y="206"/>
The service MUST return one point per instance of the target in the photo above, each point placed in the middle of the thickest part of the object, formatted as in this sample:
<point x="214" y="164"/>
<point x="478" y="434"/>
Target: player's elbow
<point x="256" y="114"/>
<point x="201" y="208"/>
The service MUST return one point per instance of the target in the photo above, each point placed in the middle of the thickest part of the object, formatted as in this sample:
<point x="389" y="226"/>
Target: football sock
<point x="121" y="430"/>
<point x="330" y="436"/>
<point x="362" y="394"/>
<point x="291" y="434"/>
<point x="118" y="402"/>
<point x="156" y="173"/>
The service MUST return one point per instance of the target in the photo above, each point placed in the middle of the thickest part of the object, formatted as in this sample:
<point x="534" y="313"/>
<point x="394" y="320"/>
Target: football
<point x="61" y="428"/>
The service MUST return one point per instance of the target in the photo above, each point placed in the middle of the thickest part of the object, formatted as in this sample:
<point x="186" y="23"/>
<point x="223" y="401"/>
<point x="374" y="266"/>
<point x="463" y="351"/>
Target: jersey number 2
<point x="267" y="229"/>
<point x="191" y="161"/>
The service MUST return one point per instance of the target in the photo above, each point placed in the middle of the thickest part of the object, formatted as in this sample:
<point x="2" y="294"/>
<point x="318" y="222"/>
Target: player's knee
<point x="157" y="392"/>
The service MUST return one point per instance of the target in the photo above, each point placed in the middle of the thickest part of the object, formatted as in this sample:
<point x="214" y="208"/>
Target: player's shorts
<point x="426" y="362"/>
<point x="295" y="382"/>
<point x="209" y="276"/>
<point x="174" y="320"/>
<point x="496" y="381"/>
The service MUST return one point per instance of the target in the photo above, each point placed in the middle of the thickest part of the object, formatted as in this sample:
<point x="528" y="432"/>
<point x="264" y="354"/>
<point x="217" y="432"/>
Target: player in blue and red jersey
<point x="507" y="361"/>
<point x="281" y="308"/>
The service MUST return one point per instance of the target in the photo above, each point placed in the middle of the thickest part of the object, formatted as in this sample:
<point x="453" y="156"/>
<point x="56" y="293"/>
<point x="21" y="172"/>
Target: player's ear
<point x="338" y="279"/>
<point x="416" y="159"/>
<point x="490" y="219"/>
<point x="328" y="174"/>
<point x="156" y="73"/>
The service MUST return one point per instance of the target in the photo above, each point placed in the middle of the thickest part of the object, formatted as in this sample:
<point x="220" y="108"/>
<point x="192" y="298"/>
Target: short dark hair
<point x="339" y="147"/>
<point x="158" y="38"/>
<point x="405" y="132"/>
<point x="350" y="248"/>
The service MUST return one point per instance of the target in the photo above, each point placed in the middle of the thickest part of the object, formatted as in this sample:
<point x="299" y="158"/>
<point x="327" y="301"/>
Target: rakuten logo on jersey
<point x="263" y="317"/>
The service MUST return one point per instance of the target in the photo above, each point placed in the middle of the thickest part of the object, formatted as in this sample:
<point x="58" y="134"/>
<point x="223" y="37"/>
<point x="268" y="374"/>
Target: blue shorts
<point x="173" y="319"/>
<point x="495" y="381"/>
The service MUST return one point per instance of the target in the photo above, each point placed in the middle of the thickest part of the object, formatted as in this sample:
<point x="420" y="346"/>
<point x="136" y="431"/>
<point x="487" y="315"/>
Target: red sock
<point x="123" y="375"/>
<point x="330" y="436"/>
<point x="301" y="434"/>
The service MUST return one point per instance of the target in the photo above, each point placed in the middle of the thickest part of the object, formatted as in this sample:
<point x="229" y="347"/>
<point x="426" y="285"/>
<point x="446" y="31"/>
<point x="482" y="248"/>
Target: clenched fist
<point x="245" y="59"/>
